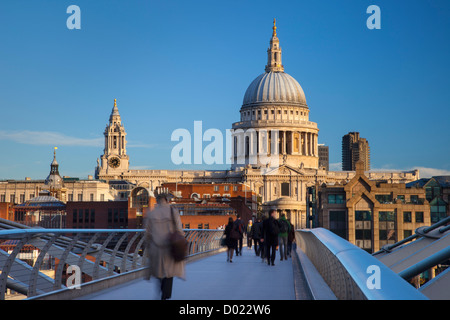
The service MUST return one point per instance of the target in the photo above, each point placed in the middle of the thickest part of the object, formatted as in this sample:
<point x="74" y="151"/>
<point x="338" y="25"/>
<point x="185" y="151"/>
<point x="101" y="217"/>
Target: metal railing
<point x="35" y="262"/>
<point x="350" y="272"/>
<point x="418" y="257"/>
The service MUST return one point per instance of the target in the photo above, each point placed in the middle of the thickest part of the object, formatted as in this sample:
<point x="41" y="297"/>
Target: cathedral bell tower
<point x="114" y="160"/>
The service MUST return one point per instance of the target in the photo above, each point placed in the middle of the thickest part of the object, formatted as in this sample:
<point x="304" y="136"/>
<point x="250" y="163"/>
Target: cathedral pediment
<point x="285" y="170"/>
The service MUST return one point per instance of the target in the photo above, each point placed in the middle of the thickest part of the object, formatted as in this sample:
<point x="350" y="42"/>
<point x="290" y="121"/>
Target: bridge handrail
<point x="73" y="247"/>
<point x="350" y="272"/>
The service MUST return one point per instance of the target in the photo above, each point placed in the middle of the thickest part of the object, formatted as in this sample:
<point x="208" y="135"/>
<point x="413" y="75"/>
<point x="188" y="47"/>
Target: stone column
<point x="310" y="144"/>
<point x="283" y="145"/>
<point x="292" y="142"/>
<point x="316" y="146"/>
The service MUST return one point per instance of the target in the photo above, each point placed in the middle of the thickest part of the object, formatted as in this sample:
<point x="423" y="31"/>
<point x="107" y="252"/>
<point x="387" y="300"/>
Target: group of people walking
<point x="266" y="236"/>
<point x="164" y="220"/>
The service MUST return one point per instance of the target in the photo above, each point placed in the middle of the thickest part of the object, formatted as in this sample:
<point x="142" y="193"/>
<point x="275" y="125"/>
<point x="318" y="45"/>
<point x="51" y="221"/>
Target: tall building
<point x="324" y="157"/>
<point x="354" y="149"/>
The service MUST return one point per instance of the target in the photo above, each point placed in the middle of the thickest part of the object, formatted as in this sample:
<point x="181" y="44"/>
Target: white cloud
<point x="424" y="172"/>
<point x="430" y="172"/>
<point x="337" y="166"/>
<point x="49" y="138"/>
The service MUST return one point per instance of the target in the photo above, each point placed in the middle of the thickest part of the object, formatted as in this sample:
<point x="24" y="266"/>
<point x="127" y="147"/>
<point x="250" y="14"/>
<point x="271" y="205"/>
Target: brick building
<point x="368" y="213"/>
<point x="206" y="205"/>
<point x="98" y="214"/>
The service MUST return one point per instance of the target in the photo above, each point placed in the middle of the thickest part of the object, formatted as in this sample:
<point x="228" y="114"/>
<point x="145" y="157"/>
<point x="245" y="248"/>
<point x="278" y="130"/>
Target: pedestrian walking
<point x="230" y="239"/>
<point x="271" y="231"/>
<point x="256" y="234"/>
<point x="249" y="234"/>
<point x="239" y="226"/>
<point x="159" y="224"/>
<point x="291" y="238"/>
<point x="284" y="227"/>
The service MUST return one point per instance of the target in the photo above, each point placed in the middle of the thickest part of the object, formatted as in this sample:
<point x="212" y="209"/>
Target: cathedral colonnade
<point x="254" y="142"/>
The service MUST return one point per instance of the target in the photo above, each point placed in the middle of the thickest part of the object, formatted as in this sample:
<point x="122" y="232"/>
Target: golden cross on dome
<point x="115" y="102"/>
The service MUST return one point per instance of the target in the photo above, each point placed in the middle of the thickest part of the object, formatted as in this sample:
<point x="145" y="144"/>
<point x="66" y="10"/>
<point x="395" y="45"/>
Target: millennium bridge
<point x="109" y="264"/>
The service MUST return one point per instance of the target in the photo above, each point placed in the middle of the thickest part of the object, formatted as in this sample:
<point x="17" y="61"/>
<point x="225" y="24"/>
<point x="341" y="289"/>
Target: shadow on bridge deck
<point x="212" y="278"/>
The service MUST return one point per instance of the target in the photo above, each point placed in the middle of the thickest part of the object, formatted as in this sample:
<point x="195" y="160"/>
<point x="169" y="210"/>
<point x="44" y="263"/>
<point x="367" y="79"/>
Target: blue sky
<point x="170" y="63"/>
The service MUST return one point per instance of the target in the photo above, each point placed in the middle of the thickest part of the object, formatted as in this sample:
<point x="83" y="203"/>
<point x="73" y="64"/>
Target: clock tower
<point x="114" y="160"/>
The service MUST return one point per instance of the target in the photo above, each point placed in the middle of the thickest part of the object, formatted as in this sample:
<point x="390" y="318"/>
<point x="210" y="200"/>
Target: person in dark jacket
<point x="291" y="238"/>
<point x="285" y="228"/>
<point x="271" y="230"/>
<point x="256" y="234"/>
<point x="239" y="225"/>
<point x="230" y="241"/>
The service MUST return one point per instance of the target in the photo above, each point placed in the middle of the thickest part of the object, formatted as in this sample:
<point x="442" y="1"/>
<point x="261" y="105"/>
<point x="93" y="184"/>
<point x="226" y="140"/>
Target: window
<point x="407" y="233"/>
<point x="216" y="188"/>
<point x="200" y="226"/>
<point x="419" y="217"/>
<point x="2" y="198"/>
<point x="74" y="218"/>
<point x="80" y="197"/>
<point x="285" y="186"/>
<point x="86" y="216"/>
<point x="102" y="197"/>
<point x="432" y="190"/>
<point x="226" y="188"/>
<point x="387" y="230"/>
<point x="363" y="230"/>
<point x="338" y="223"/>
<point x="92" y="215"/>
<point x="407" y="216"/>
<point x="438" y="210"/>
<point x="109" y="215"/>
<point x="91" y="197"/>
<point x="71" y="197"/>
<point x="235" y="188"/>
<point x="122" y="215"/>
<point x="80" y="215"/>
<point x="187" y="226"/>
<point x="384" y="198"/>
<point x="336" y="199"/>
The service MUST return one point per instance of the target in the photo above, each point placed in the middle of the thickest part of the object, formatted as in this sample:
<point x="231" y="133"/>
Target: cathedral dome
<point x="274" y="88"/>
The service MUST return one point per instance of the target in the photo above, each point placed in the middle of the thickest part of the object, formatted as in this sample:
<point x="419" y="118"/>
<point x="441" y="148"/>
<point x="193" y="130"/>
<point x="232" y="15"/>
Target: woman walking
<point x="160" y="222"/>
<point x="230" y="240"/>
